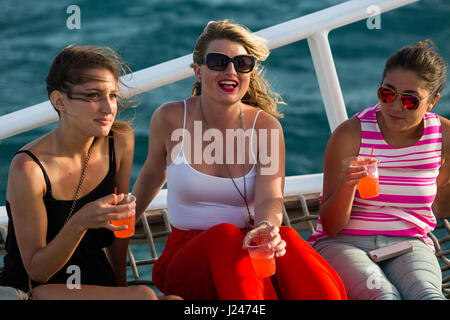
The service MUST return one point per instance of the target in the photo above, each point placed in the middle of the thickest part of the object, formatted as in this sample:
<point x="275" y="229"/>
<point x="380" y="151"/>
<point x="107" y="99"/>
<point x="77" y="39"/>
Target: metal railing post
<point x="327" y="78"/>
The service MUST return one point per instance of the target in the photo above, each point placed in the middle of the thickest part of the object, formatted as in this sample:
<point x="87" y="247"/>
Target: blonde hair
<point x="259" y="93"/>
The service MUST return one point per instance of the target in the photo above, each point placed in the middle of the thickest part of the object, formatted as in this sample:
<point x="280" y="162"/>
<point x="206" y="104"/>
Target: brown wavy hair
<point x="67" y="70"/>
<point x="422" y="59"/>
<point x="259" y="93"/>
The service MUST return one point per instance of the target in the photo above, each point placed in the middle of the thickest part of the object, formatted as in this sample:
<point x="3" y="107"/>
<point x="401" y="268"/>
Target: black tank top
<point x="88" y="256"/>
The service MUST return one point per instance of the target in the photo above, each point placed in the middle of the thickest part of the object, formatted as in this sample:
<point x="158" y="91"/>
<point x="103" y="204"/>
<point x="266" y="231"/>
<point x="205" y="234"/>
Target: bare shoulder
<point x="346" y="138"/>
<point x="349" y="128"/>
<point x="124" y="139"/>
<point x="445" y="125"/>
<point x="24" y="165"/>
<point x="169" y="114"/>
<point x="266" y="120"/>
<point x="25" y="174"/>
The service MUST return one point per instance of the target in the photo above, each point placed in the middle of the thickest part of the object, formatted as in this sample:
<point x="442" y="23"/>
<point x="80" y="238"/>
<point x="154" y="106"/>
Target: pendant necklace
<point x="250" y="220"/>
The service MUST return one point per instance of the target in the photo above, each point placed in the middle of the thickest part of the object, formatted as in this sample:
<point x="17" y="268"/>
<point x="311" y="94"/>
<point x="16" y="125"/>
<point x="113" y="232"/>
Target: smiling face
<point x="92" y="105"/>
<point x="227" y="86"/>
<point x="395" y="117"/>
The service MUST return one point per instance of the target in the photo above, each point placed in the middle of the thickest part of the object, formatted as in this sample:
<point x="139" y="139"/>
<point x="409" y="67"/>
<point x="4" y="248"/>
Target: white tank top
<point x="198" y="201"/>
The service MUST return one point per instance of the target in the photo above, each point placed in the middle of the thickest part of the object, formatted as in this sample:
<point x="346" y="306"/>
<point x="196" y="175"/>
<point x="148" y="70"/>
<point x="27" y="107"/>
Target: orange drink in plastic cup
<point x="368" y="187"/>
<point x="262" y="257"/>
<point x="129" y="221"/>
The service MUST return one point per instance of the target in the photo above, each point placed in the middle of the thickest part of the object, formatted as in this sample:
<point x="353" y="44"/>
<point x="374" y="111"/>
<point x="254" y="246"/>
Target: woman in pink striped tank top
<point x="411" y="145"/>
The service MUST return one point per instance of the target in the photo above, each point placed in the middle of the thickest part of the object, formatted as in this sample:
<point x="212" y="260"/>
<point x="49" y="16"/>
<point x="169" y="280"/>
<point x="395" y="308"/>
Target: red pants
<point x="211" y="264"/>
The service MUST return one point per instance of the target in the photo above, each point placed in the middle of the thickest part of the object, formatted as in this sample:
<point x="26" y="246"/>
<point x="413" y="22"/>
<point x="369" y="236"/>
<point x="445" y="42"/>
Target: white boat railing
<point x="313" y="27"/>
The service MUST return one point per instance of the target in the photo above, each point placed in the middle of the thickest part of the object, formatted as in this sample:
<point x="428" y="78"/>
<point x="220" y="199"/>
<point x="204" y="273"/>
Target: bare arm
<point x="340" y="178"/>
<point x="117" y="252"/>
<point x="30" y="222"/>
<point x="441" y="205"/>
<point x="153" y="174"/>
<point x="269" y="185"/>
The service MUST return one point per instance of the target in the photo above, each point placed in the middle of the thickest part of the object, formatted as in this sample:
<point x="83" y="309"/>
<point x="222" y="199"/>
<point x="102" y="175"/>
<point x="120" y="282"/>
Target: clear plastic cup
<point x="368" y="187"/>
<point x="129" y="221"/>
<point x="262" y="257"/>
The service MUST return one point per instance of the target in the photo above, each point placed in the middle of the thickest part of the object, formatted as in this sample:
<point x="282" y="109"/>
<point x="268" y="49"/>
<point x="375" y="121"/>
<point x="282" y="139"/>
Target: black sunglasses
<point x="219" y="62"/>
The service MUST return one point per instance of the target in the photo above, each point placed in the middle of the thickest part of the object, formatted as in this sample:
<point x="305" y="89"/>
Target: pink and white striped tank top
<point x="407" y="183"/>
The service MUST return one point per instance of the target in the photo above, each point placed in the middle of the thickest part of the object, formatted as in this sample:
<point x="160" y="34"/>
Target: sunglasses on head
<point x="409" y="101"/>
<point x="219" y="62"/>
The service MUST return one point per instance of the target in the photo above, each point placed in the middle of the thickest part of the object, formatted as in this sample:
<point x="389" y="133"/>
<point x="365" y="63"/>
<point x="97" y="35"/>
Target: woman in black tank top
<point x="55" y="244"/>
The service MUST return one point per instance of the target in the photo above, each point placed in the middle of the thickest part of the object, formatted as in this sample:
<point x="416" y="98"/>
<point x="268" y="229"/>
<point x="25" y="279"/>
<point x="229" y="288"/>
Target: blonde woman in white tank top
<point x="215" y="200"/>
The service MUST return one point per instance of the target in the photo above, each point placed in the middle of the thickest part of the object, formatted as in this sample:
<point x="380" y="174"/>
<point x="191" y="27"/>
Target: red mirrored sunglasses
<point x="409" y="101"/>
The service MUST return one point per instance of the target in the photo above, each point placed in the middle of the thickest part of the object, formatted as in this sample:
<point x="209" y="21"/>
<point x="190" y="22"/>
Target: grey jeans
<point x="10" y="293"/>
<point x="412" y="276"/>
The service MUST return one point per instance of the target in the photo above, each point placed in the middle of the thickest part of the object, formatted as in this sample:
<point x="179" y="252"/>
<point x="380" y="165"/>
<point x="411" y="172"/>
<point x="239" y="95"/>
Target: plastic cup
<point x="129" y="221"/>
<point x="262" y="257"/>
<point x="368" y="187"/>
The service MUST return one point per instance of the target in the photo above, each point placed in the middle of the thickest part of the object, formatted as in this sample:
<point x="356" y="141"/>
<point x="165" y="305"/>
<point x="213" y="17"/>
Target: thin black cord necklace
<point x="250" y="221"/>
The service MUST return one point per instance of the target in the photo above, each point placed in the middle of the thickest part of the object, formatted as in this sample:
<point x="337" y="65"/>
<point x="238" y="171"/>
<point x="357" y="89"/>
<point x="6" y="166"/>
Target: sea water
<point x="146" y="33"/>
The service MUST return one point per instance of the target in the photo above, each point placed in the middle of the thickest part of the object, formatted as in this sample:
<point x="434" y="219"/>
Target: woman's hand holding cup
<point x="98" y="214"/>
<point x="273" y="233"/>
<point x="354" y="169"/>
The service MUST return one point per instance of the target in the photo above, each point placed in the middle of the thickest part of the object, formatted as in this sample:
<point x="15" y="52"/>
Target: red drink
<point x="368" y="187"/>
<point x="263" y="265"/>
<point x="262" y="257"/>
<point x="130" y="221"/>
